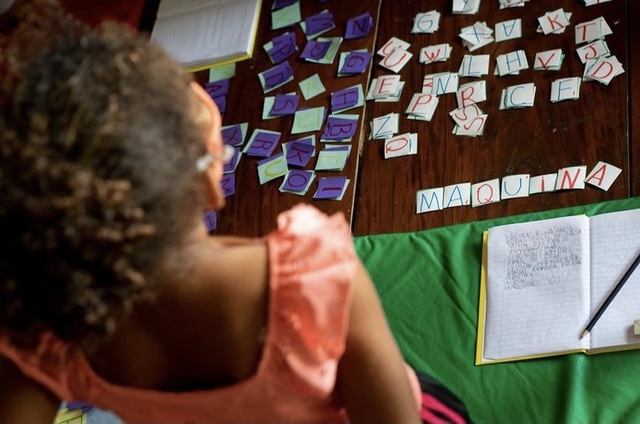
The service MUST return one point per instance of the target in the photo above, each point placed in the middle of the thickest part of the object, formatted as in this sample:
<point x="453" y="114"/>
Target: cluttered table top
<point x="511" y="137"/>
<point x="421" y="116"/>
<point x="503" y="105"/>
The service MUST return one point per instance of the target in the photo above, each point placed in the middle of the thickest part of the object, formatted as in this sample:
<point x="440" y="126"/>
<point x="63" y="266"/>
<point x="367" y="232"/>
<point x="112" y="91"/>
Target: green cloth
<point x="428" y="282"/>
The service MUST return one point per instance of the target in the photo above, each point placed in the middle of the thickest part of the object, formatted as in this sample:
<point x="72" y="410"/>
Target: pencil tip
<point x="584" y="333"/>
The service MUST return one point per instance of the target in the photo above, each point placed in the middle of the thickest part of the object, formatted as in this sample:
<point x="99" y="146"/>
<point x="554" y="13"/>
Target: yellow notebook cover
<point x="606" y="245"/>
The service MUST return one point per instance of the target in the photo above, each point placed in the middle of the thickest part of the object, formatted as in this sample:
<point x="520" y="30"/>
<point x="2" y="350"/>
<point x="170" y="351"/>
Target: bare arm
<point x="372" y="378"/>
<point x="23" y="400"/>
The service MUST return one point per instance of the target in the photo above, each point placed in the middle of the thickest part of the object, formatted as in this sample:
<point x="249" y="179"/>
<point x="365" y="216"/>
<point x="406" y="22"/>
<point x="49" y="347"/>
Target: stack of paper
<point x="476" y="36"/>
<point x="426" y="23"/>
<point x="465" y="7"/>
<point x="518" y="96"/>
<point x="203" y="33"/>
<point x="435" y="53"/>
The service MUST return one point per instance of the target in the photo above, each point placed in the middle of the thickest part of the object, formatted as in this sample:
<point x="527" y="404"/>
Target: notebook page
<point x="537" y="290"/>
<point x="224" y="30"/>
<point x="172" y="7"/>
<point x="615" y="243"/>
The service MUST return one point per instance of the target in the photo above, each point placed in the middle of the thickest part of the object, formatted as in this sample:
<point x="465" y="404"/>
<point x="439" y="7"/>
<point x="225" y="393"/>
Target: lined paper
<point x="197" y="33"/>
<point x="615" y="243"/>
<point x="537" y="287"/>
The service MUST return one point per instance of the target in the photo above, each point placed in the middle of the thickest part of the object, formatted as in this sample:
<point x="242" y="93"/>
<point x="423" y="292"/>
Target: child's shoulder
<point x="305" y="219"/>
<point x="307" y="237"/>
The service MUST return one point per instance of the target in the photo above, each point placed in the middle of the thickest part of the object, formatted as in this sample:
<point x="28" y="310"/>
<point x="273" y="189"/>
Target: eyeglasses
<point x="207" y="159"/>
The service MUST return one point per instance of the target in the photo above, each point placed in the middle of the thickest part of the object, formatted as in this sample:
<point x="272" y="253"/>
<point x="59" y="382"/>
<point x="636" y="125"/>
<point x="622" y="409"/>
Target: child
<point x="111" y="290"/>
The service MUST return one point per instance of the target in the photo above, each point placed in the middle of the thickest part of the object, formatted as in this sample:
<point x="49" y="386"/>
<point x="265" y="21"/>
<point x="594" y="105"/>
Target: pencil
<point x="611" y="296"/>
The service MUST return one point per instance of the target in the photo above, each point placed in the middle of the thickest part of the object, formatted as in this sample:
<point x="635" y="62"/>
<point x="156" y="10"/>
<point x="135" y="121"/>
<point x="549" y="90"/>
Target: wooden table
<point x="535" y="141"/>
<point x="253" y="209"/>
<point x="602" y="125"/>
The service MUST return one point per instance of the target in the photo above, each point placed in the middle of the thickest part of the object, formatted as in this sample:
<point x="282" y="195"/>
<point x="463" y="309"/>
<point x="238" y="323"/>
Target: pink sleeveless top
<point x="311" y="264"/>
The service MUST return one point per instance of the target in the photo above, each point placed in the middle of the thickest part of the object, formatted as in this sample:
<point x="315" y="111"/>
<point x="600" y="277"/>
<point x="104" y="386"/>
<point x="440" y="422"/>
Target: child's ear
<point x="212" y="174"/>
<point x="213" y="141"/>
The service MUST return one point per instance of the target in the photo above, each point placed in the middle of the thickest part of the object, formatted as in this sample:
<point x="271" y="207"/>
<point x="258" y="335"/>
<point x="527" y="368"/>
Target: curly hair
<point x="97" y="172"/>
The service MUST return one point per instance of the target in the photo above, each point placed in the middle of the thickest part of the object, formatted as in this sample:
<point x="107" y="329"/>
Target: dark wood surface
<point x="537" y="140"/>
<point x="602" y="125"/>
<point x="253" y="209"/>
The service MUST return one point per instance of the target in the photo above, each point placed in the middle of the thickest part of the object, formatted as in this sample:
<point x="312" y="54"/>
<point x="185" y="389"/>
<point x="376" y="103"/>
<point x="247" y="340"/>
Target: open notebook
<point x="204" y="33"/>
<point x="542" y="281"/>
